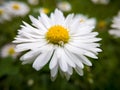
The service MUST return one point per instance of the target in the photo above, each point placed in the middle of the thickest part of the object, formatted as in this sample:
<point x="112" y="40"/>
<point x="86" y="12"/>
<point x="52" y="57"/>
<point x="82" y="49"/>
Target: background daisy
<point x="101" y="1"/>
<point x="16" y="8"/>
<point x="33" y="2"/>
<point x="64" y="6"/>
<point x="8" y="50"/>
<point x="4" y="14"/>
<point x="116" y="26"/>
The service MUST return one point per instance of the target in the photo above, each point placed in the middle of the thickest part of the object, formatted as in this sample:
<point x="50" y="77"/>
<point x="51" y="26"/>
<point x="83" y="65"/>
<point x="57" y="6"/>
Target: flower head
<point x="116" y="26"/>
<point x="33" y="2"/>
<point x="64" y="6"/>
<point x="63" y="41"/>
<point x="101" y="1"/>
<point x="9" y="50"/>
<point x="44" y="10"/>
<point x="3" y="14"/>
<point x="17" y="8"/>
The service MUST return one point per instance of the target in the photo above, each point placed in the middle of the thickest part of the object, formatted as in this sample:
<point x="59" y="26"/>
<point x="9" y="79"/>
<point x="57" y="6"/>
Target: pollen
<point x="57" y="35"/>
<point x="82" y="20"/>
<point x="16" y="6"/>
<point x="11" y="51"/>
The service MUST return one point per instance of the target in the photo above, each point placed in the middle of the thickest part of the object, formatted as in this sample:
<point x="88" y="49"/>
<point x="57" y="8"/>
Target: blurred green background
<point x="103" y="75"/>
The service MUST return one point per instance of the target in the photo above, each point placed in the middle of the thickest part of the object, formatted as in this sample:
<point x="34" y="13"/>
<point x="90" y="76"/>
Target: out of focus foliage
<point x="103" y="75"/>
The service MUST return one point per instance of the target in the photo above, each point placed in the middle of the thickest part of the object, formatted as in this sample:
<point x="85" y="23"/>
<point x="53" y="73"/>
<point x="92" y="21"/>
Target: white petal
<point x="77" y="50"/>
<point x="27" y="46"/>
<point x="30" y="55"/>
<point x="42" y="60"/>
<point x="75" y="59"/>
<point x="79" y="71"/>
<point x="63" y="65"/>
<point x="37" y="23"/>
<point x="58" y="17"/>
<point x="70" y="70"/>
<point x="28" y="61"/>
<point x="68" y="20"/>
<point x="45" y="20"/>
<point x="84" y="59"/>
<point x="53" y="61"/>
<point x="54" y="71"/>
<point x="62" y="62"/>
<point x="67" y="75"/>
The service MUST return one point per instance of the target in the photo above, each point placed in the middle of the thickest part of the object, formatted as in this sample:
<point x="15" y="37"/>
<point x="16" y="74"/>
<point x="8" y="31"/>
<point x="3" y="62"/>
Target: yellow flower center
<point x="16" y="6"/>
<point x="44" y="10"/>
<point x="82" y="20"/>
<point x="11" y="51"/>
<point x="57" y="35"/>
<point x="1" y="11"/>
<point x="102" y="24"/>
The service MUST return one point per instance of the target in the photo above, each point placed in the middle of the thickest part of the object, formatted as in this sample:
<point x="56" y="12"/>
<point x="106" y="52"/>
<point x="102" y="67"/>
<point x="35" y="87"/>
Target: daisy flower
<point x="17" y="8"/>
<point x="64" y="6"/>
<point x="8" y="50"/>
<point x="116" y="26"/>
<point x="101" y="1"/>
<point x="3" y="14"/>
<point x="64" y="42"/>
<point x="85" y="19"/>
<point x="44" y="10"/>
<point x="33" y="2"/>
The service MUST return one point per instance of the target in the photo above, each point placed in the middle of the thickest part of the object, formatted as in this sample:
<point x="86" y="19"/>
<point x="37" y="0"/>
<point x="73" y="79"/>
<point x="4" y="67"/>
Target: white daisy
<point x="44" y="10"/>
<point x="116" y="26"/>
<point x="17" y="8"/>
<point x="64" y="6"/>
<point x="85" y="19"/>
<point x="63" y="42"/>
<point x="9" y="50"/>
<point x="3" y="14"/>
<point x="101" y="1"/>
<point x="33" y="2"/>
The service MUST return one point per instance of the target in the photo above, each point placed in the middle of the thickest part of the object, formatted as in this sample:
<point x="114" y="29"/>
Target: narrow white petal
<point x="41" y="60"/>
<point x="75" y="59"/>
<point x="45" y="20"/>
<point x="79" y="71"/>
<point x="68" y="20"/>
<point x="63" y="65"/>
<point x="84" y="59"/>
<point x="37" y="23"/>
<point x="53" y="61"/>
<point x="70" y="70"/>
<point x="67" y="75"/>
<point x="54" y="71"/>
<point x="60" y="20"/>
<point x="30" y="55"/>
<point x="62" y="62"/>
<point x="28" y="46"/>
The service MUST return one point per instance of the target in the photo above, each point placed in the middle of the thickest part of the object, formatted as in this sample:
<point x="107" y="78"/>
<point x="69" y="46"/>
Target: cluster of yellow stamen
<point x="57" y="35"/>
<point x="44" y="10"/>
<point x="11" y="51"/>
<point x="82" y="20"/>
<point x="16" y="6"/>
